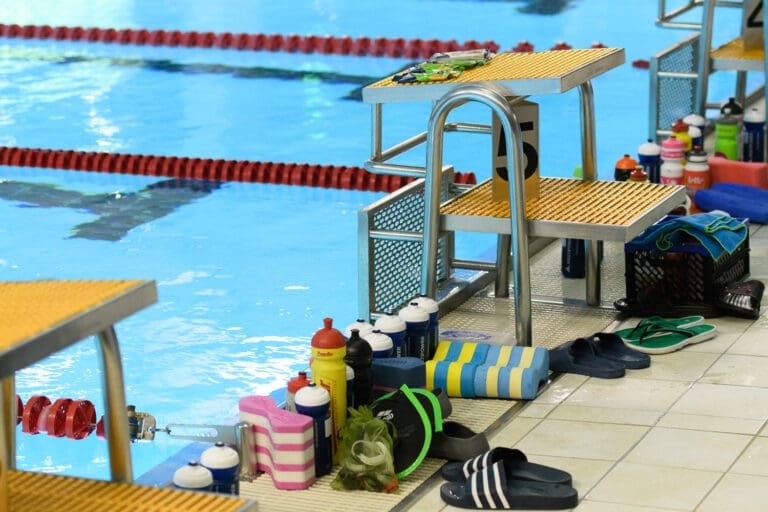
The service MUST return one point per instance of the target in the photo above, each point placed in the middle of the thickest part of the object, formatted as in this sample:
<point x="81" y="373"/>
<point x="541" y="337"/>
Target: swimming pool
<point x="245" y="272"/>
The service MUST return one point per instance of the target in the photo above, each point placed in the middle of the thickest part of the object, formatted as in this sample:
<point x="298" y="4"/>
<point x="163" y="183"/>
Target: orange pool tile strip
<point x="28" y="308"/>
<point x="615" y="203"/>
<point x="42" y="491"/>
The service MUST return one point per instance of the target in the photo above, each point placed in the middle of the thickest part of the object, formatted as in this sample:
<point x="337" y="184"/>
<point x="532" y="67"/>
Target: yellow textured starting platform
<point x="734" y="56"/>
<point x="39" y="491"/>
<point x="521" y="73"/>
<point x="30" y="308"/>
<point x="601" y="210"/>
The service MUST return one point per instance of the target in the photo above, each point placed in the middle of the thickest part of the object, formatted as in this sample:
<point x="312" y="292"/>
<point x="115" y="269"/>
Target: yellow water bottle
<point x="329" y="371"/>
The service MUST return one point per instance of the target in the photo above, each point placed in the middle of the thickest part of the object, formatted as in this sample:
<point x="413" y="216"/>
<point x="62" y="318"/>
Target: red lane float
<point x="74" y="419"/>
<point x="303" y="174"/>
<point x="343" y="45"/>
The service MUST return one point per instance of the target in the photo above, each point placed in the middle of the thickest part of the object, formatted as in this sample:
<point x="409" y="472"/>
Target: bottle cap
<point x="695" y="120"/>
<point x="193" y="476"/>
<point x="754" y="116"/>
<point x="328" y="337"/>
<point x="297" y="383"/>
<point x="413" y="313"/>
<point x="680" y="126"/>
<point x="649" y="148"/>
<point x="312" y="396"/>
<point x="638" y="175"/>
<point x="361" y="325"/>
<point x="429" y="304"/>
<point x="626" y="163"/>
<point x="220" y="456"/>
<point x="672" y="148"/>
<point x="379" y="341"/>
<point x="697" y="155"/>
<point x="733" y="106"/>
<point x="389" y="323"/>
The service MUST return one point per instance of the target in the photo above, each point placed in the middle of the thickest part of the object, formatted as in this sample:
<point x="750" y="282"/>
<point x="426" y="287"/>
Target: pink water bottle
<point x="672" y="154"/>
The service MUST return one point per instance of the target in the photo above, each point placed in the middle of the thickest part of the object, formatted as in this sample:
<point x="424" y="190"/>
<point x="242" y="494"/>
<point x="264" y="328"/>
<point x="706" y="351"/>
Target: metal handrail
<point x="496" y="100"/>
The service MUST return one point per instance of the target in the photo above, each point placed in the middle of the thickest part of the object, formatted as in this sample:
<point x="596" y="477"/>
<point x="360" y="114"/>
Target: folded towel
<point x="717" y="233"/>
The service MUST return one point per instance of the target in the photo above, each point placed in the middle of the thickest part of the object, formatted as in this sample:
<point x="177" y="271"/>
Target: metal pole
<point x="115" y="417"/>
<point x="496" y="100"/>
<point x="589" y="169"/>
<point x="7" y="437"/>
<point x="705" y="45"/>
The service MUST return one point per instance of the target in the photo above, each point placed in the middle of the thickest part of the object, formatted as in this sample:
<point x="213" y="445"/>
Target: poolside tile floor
<point x="690" y="433"/>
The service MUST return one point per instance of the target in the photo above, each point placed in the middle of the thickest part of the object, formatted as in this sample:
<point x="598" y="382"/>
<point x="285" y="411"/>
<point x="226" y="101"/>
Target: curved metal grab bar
<point x="494" y="98"/>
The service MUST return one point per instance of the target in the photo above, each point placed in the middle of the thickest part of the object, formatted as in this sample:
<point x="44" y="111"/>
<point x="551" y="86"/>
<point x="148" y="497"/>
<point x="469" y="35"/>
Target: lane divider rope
<point x="303" y="174"/>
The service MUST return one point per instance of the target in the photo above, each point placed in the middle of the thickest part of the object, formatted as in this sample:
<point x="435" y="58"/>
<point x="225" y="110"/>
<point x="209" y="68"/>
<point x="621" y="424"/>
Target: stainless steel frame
<point x="97" y="320"/>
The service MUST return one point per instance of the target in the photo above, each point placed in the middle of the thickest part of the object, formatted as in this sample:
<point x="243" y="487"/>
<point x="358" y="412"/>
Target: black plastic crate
<point x="686" y="272"/>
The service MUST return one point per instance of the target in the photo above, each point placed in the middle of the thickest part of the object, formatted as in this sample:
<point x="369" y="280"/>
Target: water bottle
<point x="573" y="261"/>
<point x="623" y="168"/>
<point x="431" y="306"/>
<point x="394" y="327"/>
<point x="223" y="462"/>
<point x="753" y="136"/>
<point x="680" y="132"/>
<point x="294" y="385"/>
<point x="329" y="371"/>
<point x="649" y="156"/>
<point x="350" y="387"/>
<point x="696" y="121"/>
<point x="416" y="329"/>
<point x="361" y="325"/>
<point x="726" y="135"/>
<point x="359" y="357"/>
<point x="696" y="175"/>
<point x="672" y="153"/>
<point x="381" y="344"/>
<point x="193" y="477"/>
<point x="314" y="401"/>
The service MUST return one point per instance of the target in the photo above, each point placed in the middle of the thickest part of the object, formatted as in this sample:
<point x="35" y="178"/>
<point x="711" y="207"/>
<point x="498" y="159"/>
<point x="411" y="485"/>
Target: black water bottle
<point x="359" y="357"/>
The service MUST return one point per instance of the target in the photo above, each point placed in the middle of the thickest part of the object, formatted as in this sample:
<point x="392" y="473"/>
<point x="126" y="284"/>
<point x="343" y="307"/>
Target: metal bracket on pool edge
<point x="228" y="434"/>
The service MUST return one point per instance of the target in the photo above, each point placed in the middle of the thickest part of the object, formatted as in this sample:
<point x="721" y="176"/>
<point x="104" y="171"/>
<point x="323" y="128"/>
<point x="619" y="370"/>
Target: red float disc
<point x="32" y="412"/>
<point x="81" y="419"/>
<point x="57" y="417"/>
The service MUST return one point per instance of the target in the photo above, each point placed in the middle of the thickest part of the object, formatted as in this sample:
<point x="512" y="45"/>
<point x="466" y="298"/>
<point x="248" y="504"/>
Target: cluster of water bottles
<point x="217" y="471"/>
<point x="342" y="369"/>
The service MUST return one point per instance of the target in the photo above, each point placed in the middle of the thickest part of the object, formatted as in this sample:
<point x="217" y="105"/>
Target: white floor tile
<point x="628" y="393"/>
<point x="586" y="440"/>
<point x="600" y="506"/>
<point x="738" y="370"/>
<point x="754" y="460"/>
<point x="710" y="423"/>
<point x="655" y="486"/>
<point x="692" y="449"/>
<point x="752" y="342"/>
<point x="742" y="493"/>
<point x="724" y="400"/>
<point x="605" y="415"/>
<point x="684" y="365"/>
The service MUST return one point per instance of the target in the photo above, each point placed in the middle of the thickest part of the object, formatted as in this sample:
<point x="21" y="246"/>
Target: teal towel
<point x="717" y="233"/>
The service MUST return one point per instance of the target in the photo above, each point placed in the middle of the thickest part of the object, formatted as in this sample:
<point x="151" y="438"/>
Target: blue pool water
<point x="245" y="272"/>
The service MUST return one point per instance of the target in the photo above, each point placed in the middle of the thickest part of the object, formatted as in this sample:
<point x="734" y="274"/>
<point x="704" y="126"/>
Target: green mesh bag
<point x="366" y="458"/>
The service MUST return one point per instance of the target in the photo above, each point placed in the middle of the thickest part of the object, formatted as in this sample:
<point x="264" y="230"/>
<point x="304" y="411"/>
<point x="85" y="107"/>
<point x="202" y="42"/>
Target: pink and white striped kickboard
<point x="279" y="442"/>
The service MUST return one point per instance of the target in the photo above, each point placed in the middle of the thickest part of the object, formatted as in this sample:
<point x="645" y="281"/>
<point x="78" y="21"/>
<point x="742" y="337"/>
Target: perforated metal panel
<point x="390" y="249"/>
<point x="673" y="85"/>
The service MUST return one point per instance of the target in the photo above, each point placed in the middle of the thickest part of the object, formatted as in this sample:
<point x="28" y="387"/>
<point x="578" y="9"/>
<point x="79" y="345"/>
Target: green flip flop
<point x="664" y="340"/>
<point x="653" y="325"/>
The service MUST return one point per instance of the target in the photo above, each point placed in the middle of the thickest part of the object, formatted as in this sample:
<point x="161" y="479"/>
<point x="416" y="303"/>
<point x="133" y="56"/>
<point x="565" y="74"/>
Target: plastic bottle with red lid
<point x="294" y="385"/>
<point x="329" y="371"/>
<point x="624" y="167"/>
<point x="680" y="132"/>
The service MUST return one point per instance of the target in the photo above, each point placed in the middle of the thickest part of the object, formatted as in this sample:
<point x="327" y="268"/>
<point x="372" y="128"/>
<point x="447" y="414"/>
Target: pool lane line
<point x="208" y="169"/>
<point x="292" y="43"/>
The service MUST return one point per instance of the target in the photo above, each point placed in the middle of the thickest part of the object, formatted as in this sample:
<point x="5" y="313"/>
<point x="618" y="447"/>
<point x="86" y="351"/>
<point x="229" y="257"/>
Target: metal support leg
<point x="7" y="437"/>
<point x="703" y="67"/>
<point x="115" y="418"/>
<point x="589" y="170"/>
<point x="497" y="101"/>
<point x="503" y="244"/>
